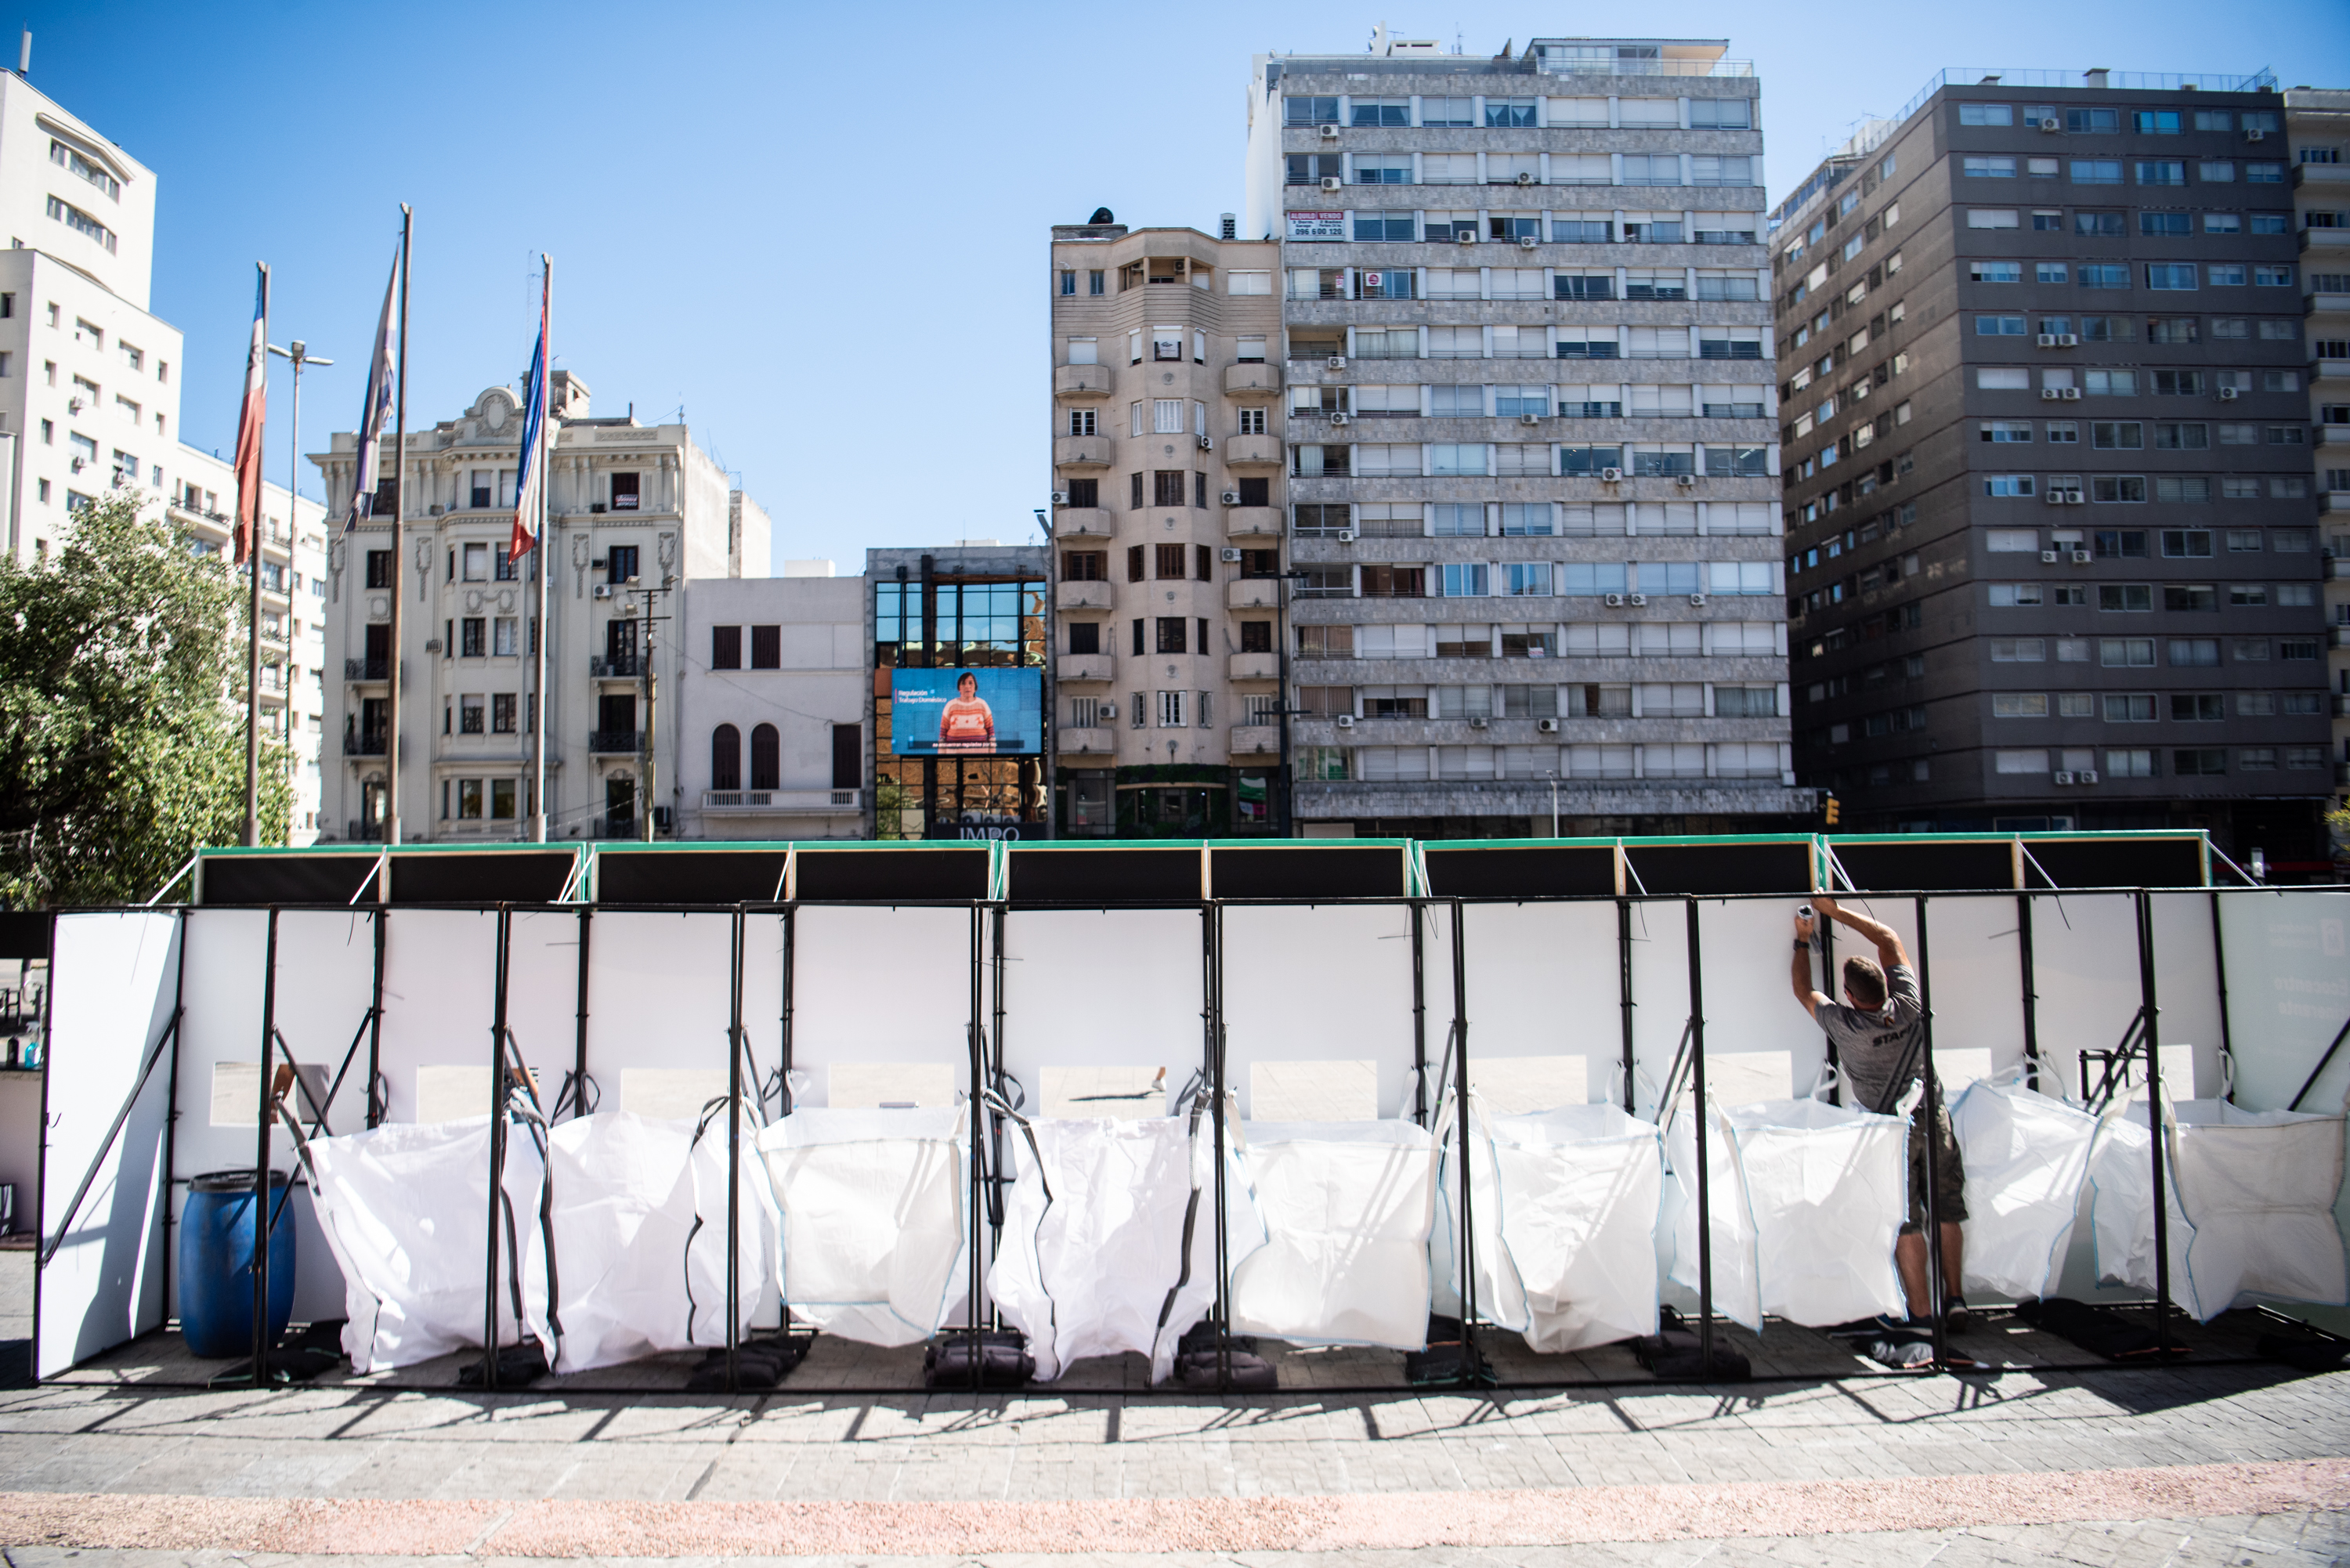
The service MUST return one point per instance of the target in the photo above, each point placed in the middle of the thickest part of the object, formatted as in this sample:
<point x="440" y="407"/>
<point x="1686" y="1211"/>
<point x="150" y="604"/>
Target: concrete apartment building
<point x="1531" y="438"/>
<point x="2052" y="547"/>
<point x="2317" y="129"/>
<point x="635" y="511"/>
<point x="1167" y="503"/>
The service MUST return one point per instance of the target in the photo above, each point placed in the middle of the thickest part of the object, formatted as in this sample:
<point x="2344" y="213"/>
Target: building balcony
<point x="2337" y="637"/>
<point x="1256" y="740"/>
<point x="366" y="669"/>
<point x="1082" y="596"/>
<point x="2334" y="175"/>
<point x="2334" y="435"/>
<point x="615" y="666"/>
<point x="1083" y="523"/>
<point x="781" y="802"/>
<point x="613" y="742"/>
<point x="2325" y="303"/>
<point x="1251" y="593"/>
<point x="1251" y="452"/>
<point x="1081" y="452"/>
<point x="2331" y="568"/>
<point x="1083" y="381"/>
<point x="1252" y="522"/>
<point x="2331" y="245"/>
<point x="1084" y="667"/>
<point x="2332" y="375"/>
<point x="1255" y="666"/>
<point x="1243" y="381"/>
<point x="2342" y="707"/>
<point x="1097" y="743"/>
<point x="371" y="745"/>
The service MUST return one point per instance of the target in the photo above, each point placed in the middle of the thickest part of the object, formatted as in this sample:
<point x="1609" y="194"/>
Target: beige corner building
<point x="2317" y="129"/>
<point x="1167" y="506"/>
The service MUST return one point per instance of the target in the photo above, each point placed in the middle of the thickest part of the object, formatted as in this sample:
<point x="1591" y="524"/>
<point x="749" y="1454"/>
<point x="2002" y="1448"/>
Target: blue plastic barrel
<point x="216" y="1264"/>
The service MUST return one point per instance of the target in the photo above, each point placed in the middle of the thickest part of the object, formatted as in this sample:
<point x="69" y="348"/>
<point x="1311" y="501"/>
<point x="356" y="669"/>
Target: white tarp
<point x="1347" y="1209"/>
<point x="2251" y="1206"/>
<point x="1087" y="1270"/>
<point x="873" y="1245"/>
<point x="2026" y="1158"/>
<point x="638" y="1212"/>
<point x="1580" y="1189"/>
<point x="406" y="1209"/>
<point x="1807" y="1200"/>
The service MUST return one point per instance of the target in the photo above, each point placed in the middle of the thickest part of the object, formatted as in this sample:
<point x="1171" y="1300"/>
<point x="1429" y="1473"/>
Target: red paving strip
<point x="1501" y="1518"/>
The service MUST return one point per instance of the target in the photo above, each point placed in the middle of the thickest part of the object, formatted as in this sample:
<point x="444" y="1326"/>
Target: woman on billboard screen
<point x="967" y="724"/>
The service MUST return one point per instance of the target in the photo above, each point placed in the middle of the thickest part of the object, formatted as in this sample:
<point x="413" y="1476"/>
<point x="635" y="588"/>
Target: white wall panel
<point x="1544" y="1005"/>
<point x="880" y="986"/>
<point x="1099" y="1000"/>
<point x="1331" y="982"/>
<point x="439" y="998"/>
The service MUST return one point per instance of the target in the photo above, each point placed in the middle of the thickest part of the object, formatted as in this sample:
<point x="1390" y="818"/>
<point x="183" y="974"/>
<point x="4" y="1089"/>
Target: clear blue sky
<point x="822" y="231"/>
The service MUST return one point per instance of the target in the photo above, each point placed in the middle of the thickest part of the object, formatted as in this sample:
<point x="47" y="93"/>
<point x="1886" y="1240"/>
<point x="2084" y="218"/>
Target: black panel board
<point x="292" y="878"/>
<point x="1265" y="872"/>
<point x="1104" y="876"/>
<point x="23" y="934"/>
<point x="2116" y="860"/>
<point x="690" y="877"/>
<point x="1548" y="872"/>
<point x="883" y="875"/>
<point x="1931" y="867"/>
<point x="482" y="877"/>
<point x="1719" y="868"/>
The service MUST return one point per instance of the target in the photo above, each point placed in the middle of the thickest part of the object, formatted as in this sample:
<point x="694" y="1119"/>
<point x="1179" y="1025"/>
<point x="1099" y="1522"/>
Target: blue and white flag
<point x="531" y="482"/>
<point x="376" y="409"/>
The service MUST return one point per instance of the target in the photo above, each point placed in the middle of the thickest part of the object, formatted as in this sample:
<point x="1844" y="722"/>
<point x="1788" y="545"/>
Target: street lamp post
<point x="301" y="355"/>
<point x="1287" y="826"/>
<point x="1554" y="802"/>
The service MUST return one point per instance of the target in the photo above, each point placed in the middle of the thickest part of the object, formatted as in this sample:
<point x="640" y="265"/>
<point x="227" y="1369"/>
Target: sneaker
<point x="1956" y="1315"/>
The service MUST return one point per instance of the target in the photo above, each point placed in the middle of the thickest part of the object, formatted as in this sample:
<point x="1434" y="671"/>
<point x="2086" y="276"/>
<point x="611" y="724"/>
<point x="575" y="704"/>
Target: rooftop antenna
<point x="25" y="56"/>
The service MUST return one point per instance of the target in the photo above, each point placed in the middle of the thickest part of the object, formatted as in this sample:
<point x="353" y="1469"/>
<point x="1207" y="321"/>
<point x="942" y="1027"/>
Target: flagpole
<point x="399" y="549"/>
<point x="546" y="459"/>
<point x="253" y="535"/>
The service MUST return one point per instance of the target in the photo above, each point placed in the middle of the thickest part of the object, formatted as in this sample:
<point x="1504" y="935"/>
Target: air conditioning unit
<point x="1230" y="555"/>
<point x="2227" y="394"/>
<point x="1330" y="133"/>
<point x="1528" y="242"/>
<point x="2064" y="778"/>
<point x="2071" y="497"/>
<point x="1336" y="361"/>
<point x="2256" y="136"/>
<point x="1686" y="480"/>
<point x="1347" y="535"/>
<point x="2086" y="776"/>
<point x="1232" y="498"/>
<point x="1525" y="178"/>
<point x="603" y="590"/>
<point x="1478" y="722"/>
<point x="432" y="645"/>
<point x="1060" y="498"/>
<point x="1207" y="443"/>
<point x="1698" y="601"/>
<point x="2068" y="340"/>
<point x="1345" y="721"/>
<point x="1106" y="711"/>
<point x="1332" y="182"/>
<point x="2048" y="340"/>
<point x="73" y="405"/>
<point x="78" y="464"/>
<point x="1529" y="419"/>
<point x="1636" y="600"/>
<point x="2048" y="557"/>
<point x="2069" y="394"/>
<point x="2079" y="557"/>
<point x="1342" y="419"/>
<point x="1611" y="476"/>
<point x="1613" y="601"/>
<point x="1466" y="236"/>
<point x="2050" y="122"/>
<point x="2053" y="498"/>
<point x="1546" y="726"/>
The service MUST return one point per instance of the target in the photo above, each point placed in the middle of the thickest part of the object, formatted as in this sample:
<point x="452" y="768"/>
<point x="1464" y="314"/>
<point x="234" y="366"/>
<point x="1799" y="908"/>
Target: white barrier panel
<point x="1973" y="976"/>
<point x="1544" y="1005"/>
<point x="1103" y="1009"/>
<point x="1331" y="985"/>
<point x="113" y="980"/>
<point x="440" y="999"/>
<point x="542" y="994"/>
<point x="881" y="1005"/>
<point x="2085" y="974"/>
<point x="659" y="1003"/>
<point x="1760" y="1043"/>
<point x="1660" y="997"/>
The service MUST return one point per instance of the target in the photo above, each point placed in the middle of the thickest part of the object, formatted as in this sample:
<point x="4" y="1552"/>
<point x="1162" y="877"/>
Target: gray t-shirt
<point x="1870" y="1047"/>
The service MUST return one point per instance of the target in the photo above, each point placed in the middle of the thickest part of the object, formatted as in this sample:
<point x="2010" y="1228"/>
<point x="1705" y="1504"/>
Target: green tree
<point x="121" y="712"/>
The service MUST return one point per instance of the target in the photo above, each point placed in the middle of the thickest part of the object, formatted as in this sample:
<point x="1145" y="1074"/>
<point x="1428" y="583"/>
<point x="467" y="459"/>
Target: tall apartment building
<point x="632" y="508"/>
<point x="1167" y="526"/>
<point x="1511" y="591"/>
<point x="2053" y="550"/>
<point x="2317" y="129"/>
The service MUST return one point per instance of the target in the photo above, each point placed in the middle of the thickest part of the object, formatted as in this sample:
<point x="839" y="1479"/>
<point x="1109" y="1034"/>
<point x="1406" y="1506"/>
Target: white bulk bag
<point x="2026" y="1158"/>
<point x="1093" y="1240"/>
<point x="872" y="1244"/>
<point x="1737" y="1278"/>
<point x="1580" y="1187"/>
<point x="405" y="1210"/>
<point x="2121" y="1209"/>
<point x="1824" y="1189"/>
<point x="637" y="1213"/>
<point x="1346" y="1208"/>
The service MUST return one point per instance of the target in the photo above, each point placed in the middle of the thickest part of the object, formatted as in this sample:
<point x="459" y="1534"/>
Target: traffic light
<point x="1831" y="807"/>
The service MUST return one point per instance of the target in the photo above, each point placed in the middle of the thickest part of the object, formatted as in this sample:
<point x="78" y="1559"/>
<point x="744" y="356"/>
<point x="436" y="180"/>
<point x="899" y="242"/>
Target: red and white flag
<point x="250" y="419"/>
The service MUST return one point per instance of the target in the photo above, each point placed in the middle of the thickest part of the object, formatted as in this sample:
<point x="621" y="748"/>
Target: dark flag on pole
<point x="376" y="408"/>
<point x="249" y="419"/>
<point x="531" y="480"/>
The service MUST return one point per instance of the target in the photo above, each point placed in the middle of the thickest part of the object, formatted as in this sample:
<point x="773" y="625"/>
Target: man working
<point x="1879" y="1044"/>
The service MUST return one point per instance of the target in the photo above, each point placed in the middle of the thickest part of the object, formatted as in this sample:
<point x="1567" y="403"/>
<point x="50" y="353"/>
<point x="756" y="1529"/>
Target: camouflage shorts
<point x="1949" y="1172"/>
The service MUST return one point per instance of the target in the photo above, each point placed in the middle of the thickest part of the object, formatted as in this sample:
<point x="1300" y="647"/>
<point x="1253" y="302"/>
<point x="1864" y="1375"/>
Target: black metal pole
<point x="791" y="932"/>
<point x="2220" y="972"/>
<point x="580" y="1106"/>
<point x="1931" y="1109"/>
<point x="1418" y="1015"/>
<point x="1211" y="974"/>
<point x="1624" y="1003"/>
<point x="2152" y="1013"/>
<point x="1704" y="1193"/>
<point x="497" y="1157"/>
<point x="2030" y="989"/>
<point x="1460" y="1094"/>
<point x="979" y="1171"/>
<point x="261" y="1140"/>
<point x="170" y="1099"/>
<point x="734" y="1046"/>
<point x="1826" y="929"/>
<point x="382" y="919"/>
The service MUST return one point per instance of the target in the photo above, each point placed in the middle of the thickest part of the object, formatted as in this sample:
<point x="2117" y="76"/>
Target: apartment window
<point x="1987" y="167"/>
<point x="1168" y="486"/>
<point x="2129" y="708"/>
<point x="1084" y="637"/>
<point x="502" y="713"/>
<point x="2126" y="652"/>
<point x="2189" y="762"/>
<point x="81" y="222"/>
<point x="2194" y="652"/>
<point x="766" y="648"/>
<point x="505" y="637"/>
<point x="2096" y="171"/>
<point x="1097" y="282"/>
<point x="473" y="637"/>
<point x="725" y="647"/>
<point x="2126" y="598"/>
<point x="2116" y="435"/>
<point x="2116" y="488"/>
<point x="470" y="713"/>
<point x="1068" y="281"/>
